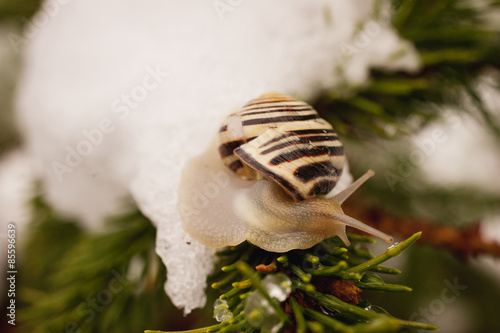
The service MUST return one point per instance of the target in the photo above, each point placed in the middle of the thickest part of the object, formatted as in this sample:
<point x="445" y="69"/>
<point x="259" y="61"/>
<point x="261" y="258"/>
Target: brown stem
<point x="464" y="242"/>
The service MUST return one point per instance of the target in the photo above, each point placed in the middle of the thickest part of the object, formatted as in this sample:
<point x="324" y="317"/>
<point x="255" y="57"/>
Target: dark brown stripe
<point x="276" y="104"/>
<point x="306" y="152"/>
<point x="278" y="179"/>
<point x="282" y="119"/>
<point x="316" y="170"/>
<point x="269" y="100"/>
<point x="298" y="132"/>
<point x="226" y="149"/>
<point x="223" y="128"/>
<point x="279" y="109"/>
<point x="276" y="139"/>
<point x="301" y="140"/>
<point x="235" y="165"/>
<point x="322" y="187"/>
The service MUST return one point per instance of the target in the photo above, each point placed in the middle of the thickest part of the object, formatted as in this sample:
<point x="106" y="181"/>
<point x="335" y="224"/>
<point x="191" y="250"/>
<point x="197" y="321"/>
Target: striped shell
<point x="285" y="140"/>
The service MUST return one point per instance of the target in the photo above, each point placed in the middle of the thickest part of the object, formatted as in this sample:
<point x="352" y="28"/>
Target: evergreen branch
<point x="198" y="330"/>
<point x="336" y="325"/>
<point x="455" y="46"/>
<point x="313" y="284"/>
<point x="391" y="252"/>
<point x="298" y="312"/>
<point x="389" y="323"/>
<point x="19" y="9"/>
<point x="383" y="287"/>
<point x="88" y="280"/>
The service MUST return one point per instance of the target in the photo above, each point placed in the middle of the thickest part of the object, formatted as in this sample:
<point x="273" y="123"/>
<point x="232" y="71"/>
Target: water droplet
<point x="221" y="311"/>
<point x="259" y="313"/>
<point x="327" y="310"/>
<point x="393" y="245"/>
<point x="278" y="286"/>
<point x="375" y="308"/>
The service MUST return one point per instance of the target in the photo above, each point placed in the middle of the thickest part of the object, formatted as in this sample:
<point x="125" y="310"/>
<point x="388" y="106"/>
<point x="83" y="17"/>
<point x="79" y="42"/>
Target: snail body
<point x="266" y="178"/>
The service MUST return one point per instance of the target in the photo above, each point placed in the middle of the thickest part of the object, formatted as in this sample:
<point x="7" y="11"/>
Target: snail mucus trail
<point x="270" y="171"/>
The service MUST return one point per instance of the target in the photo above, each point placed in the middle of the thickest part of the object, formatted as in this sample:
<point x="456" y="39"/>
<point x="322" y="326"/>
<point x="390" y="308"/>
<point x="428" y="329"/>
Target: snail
<point x="267" y="177"/>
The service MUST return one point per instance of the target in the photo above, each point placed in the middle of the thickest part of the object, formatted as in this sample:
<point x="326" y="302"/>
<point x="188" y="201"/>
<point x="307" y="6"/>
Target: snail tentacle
<point x="352" y="222"/>
<point x="342" y="196"/>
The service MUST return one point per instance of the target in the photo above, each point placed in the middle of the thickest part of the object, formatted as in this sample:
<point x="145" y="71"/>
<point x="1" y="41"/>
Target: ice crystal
<point x="221" y="311"/>
<point x="259" y="312"/>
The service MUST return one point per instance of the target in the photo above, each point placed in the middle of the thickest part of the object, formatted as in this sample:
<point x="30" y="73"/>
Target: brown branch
<point x="464" y="242"/>
<point x="266" y="269"/>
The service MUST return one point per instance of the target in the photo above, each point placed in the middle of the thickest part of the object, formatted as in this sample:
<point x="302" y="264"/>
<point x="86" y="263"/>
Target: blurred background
<point x="432" y="135"/>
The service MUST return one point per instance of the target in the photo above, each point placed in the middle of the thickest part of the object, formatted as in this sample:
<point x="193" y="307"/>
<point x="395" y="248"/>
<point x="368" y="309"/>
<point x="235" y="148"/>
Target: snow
<point x="466" y="142"/>
<point x="116" y="96"/>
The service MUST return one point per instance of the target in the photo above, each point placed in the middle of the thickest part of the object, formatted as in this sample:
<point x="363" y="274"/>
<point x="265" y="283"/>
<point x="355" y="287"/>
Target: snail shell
<point x="285" y="140"/>
<point x="264" y="179"/>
